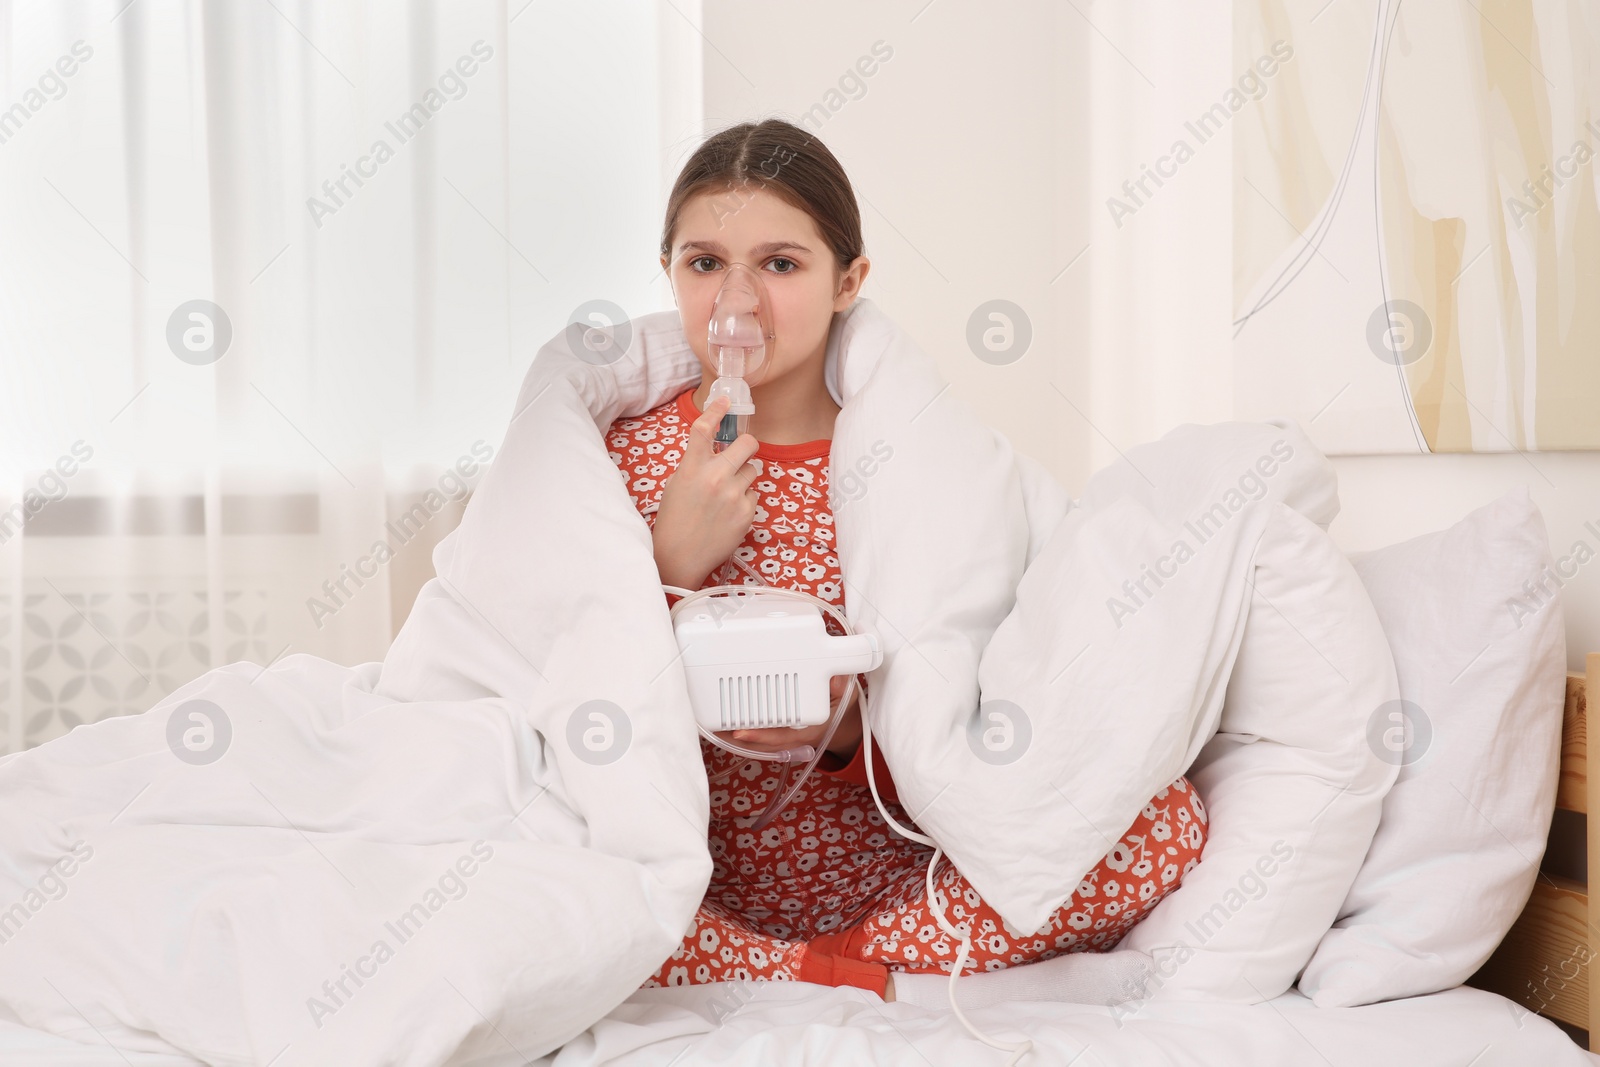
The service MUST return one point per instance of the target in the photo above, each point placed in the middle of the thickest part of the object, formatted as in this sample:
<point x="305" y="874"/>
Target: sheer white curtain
<point x="1161" y="255"/>
<point x="270" y="274"/>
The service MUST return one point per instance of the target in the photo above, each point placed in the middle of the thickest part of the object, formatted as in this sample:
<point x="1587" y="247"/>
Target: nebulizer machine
<point x="759" y="657"/>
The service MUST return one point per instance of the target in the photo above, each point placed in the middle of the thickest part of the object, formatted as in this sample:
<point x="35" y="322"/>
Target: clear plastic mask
<point x="738" y="338"/>
<point x="741" y="323"/>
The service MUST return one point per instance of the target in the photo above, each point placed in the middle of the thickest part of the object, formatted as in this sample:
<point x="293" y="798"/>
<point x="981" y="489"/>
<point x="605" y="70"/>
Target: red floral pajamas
<point x="827" y="892"/>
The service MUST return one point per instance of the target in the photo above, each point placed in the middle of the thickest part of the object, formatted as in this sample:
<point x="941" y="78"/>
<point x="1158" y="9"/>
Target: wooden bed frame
<point x="1543" y="963"/>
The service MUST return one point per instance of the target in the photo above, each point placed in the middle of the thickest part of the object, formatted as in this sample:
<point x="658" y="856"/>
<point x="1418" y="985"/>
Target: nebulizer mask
<point x="758" y="656"/>
<point x="736" y="338"/>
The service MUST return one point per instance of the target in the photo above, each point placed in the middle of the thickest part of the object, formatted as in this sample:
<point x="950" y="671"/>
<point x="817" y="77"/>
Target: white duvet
<point x="487" y="841"/>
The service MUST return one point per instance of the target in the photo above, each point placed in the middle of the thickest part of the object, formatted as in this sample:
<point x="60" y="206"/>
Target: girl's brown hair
<point x="780" y="156"/>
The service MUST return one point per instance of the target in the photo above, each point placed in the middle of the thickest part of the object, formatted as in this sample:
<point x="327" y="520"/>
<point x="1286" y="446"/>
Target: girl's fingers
<point x="704" y="429"/>
<point x="776" y="740"/>
<point x="741" y="452"/>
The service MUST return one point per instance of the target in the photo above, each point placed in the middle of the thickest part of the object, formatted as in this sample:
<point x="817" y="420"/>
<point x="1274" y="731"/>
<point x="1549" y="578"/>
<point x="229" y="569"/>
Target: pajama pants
<point x="829" y="893"/>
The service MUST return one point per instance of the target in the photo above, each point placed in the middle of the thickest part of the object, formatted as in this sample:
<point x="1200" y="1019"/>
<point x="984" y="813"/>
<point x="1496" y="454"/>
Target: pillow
<point x="1292" y="789"/>
<point x="1474" y="619"/>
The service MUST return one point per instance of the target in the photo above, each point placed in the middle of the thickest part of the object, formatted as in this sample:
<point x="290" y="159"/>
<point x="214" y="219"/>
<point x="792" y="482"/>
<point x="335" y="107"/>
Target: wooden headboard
<point x="1543" y="963"/>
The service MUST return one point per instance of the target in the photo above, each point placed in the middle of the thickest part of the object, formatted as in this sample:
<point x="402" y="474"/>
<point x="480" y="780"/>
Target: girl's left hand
<point x="780" y="738"/>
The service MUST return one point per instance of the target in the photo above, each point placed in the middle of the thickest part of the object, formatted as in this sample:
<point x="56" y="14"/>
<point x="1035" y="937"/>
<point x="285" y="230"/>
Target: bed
<point x="1543" y="962"/>
<point x="791" y="1023"/>
<point x="1500" y="1019"/>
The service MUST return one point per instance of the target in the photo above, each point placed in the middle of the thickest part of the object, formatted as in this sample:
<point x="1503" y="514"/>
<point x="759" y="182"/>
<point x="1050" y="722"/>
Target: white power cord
<point x="788" y="755"/>
<point x="1019" y="1050"/>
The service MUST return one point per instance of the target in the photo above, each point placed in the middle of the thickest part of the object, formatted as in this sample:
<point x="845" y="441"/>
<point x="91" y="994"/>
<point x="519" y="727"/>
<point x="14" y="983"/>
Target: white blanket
<point x="487" y="841"/>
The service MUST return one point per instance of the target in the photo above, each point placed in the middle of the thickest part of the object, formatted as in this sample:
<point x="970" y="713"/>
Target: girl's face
<point x="781" y="243"/>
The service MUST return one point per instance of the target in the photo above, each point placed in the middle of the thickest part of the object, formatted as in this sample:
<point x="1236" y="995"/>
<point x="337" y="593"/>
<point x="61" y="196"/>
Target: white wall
<point x="1390" y="498"/>
<point x="984" y="152"/>
<point x="959" y="148"/>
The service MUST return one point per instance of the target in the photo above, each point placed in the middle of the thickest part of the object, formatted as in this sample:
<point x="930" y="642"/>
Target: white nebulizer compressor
<point x="762" y="660"/>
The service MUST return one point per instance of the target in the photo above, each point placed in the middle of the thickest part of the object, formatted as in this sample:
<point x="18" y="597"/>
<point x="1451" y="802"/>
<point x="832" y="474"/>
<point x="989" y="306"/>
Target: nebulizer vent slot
<point x="759" y="701"/>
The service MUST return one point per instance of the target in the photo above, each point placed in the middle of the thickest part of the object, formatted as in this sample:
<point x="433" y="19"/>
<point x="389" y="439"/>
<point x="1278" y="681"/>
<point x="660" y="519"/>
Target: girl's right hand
<point x="707" y="504"/>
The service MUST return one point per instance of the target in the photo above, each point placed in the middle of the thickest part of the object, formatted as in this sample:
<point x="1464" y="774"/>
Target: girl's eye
<point x="793" y="266"/>
<point x="694" y="264"/>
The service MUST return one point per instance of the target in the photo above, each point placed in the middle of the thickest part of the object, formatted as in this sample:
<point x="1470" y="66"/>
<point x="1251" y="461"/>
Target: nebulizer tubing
<point x="738" y="332"/>
<point x="788" y="756"/>
<point x="964" y="950"/>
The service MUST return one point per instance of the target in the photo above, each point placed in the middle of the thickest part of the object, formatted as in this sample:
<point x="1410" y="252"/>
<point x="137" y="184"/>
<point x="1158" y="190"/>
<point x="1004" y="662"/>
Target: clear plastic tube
<point x="964" y="950"/>
<point x="811" y="754"/>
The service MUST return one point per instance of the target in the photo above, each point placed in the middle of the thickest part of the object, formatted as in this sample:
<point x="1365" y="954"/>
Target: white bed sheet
<point x="784" y="1023"/>
<point x="787" y="1023"/>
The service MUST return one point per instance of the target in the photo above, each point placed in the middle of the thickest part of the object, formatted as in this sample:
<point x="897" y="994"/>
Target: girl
<point x="826" y="893"/>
